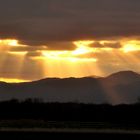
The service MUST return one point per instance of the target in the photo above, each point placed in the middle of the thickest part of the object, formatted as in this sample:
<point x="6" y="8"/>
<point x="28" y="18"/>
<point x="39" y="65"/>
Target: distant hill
<point x="124" y="77"/>
<point x="118" y="88"/>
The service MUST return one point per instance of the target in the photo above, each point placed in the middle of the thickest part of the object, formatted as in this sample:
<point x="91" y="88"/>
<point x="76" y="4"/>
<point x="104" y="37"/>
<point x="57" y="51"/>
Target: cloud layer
<point x="37" y="22"/>
<point x="54" y="25"/>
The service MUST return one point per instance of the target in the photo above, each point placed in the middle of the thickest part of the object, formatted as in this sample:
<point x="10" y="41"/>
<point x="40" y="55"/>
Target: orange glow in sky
<point x="131" y="46"/>
<point x="9" y="42"/>
<point x="12" y="80"/>
<point x="87" y="59"/>
<point x="72" y="56"/>
<point x="82" y="47"/>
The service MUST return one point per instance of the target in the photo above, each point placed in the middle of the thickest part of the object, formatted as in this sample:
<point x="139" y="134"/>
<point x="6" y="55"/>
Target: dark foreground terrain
<point x="35" y="114"/>
<point x="66" y="135"/>
<point x="34" y="119"/>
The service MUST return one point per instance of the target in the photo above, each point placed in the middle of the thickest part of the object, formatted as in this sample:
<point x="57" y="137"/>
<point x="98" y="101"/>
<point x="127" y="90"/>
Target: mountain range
<point x="119" y="88"/>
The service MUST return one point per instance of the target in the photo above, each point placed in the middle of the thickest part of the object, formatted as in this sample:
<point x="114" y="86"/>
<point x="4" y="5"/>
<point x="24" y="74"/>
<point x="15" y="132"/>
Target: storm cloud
<point x="37" y="22"/>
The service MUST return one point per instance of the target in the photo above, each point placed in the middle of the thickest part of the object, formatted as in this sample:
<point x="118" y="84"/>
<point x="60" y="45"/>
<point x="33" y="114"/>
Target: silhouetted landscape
<point x="73" y="100"/>
<point x="33" y="113"/>
<point x="72" y="105"/>
<point x="118" y="88"/>
<point x="34" y="118"/>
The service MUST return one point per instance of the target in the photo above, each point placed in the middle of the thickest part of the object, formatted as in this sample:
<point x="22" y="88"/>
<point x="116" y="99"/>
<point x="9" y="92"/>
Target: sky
<point x="68" y="38"/>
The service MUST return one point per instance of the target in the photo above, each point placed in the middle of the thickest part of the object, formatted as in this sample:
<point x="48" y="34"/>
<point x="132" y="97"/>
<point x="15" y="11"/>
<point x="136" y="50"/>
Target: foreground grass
<point x="64" y="125"/>
<point x="68" y="130"/>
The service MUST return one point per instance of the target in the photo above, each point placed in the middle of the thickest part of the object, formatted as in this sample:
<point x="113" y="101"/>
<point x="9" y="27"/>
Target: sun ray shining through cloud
<point x="68" y="63"/>
<point x="83" y="47"/>
<point x="89" y="57"/>
<point x="72" y="56"/>
<point x="17" y="58"/>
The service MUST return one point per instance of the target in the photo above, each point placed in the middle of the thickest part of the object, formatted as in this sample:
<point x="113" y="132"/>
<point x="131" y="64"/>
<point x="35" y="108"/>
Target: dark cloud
<point x="28" y="48"/>
<point x="34" y="54"/>
<point x="40" y="21"/>
<point x="49" y="46"/>
<point x="109" y="44"/>
<point x="61" y="45"/>
<point x="113" y="45"/>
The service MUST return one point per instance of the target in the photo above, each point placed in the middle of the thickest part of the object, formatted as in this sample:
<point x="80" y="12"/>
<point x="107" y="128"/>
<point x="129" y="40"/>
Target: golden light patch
<point x="103" y="42"/>
<point x="90" y="57"/>
<point x="82" y="47"/>
<point x="69" y="63"/>
<point x="13" y="80"/>
<point x="56" y="54"/>
<point x="65" y="56"/>
<point x="72" y="56"/>
<point x="9" y="42"/>
<point x="18" y="53"/>
<point x="130" y="46"/>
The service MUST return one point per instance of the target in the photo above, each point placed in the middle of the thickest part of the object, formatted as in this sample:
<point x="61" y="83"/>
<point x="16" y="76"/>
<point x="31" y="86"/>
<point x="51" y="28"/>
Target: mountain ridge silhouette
<point x="118" y="88"/>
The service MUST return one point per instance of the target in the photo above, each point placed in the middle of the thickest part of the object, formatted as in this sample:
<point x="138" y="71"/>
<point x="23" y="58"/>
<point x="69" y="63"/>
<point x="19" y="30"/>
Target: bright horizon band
<point x="22" y="62"/>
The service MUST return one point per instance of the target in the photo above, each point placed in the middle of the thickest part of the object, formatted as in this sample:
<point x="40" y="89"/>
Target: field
<point x="66" y="134"/>
<point x="39" y="129"/>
